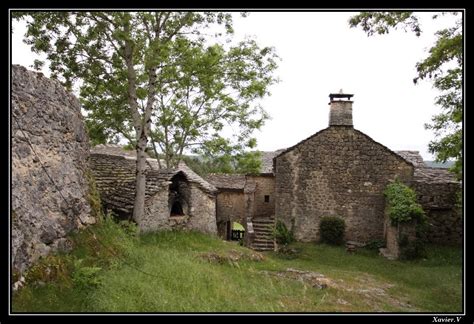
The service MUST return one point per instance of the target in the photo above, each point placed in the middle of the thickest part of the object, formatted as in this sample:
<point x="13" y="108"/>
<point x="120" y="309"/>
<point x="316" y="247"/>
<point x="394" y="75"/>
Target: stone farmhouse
<point x="338" y="171"/>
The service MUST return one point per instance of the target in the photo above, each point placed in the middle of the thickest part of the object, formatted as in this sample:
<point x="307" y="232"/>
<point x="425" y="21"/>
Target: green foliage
<point x="282" y="235"/>
<point x="331" y="230"/>
<point x="243" y="163"/>
<point x="94" y="197"/>
<point x="444" y="66"/>
<point x="85" y="277"/>
<point x="159" y="70"/>
<point x="289" y="253"/>
<point x="402" y="204"/>
<point x="183" y="282"/>
<point x="375" y="245"/>
<point x="411" y="249"/>
<point x="52" y="268"/>
<point x="249" y="163"/>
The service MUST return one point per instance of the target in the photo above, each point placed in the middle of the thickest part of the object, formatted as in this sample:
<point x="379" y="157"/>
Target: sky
<point x="321" y="54"/>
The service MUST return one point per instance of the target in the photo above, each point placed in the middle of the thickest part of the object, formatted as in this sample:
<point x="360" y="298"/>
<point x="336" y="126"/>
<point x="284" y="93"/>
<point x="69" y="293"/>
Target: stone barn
<point x="177" y="198"/>
<point x="340" y="171"/>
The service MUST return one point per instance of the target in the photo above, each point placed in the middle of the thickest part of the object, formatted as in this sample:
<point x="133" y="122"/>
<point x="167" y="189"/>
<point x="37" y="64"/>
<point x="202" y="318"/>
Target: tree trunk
<point x="139" y="206"/>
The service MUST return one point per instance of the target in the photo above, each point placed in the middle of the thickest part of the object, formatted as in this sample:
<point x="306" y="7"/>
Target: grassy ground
<point x="192" y="272"/>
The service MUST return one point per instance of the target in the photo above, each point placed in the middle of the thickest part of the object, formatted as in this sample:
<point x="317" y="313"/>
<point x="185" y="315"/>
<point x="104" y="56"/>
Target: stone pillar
<point x="393" y="234"/>
<point x="249" y="197"/>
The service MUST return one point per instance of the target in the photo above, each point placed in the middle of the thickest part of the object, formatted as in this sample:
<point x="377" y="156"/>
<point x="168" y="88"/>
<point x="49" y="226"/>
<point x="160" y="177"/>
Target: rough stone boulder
<point x="48" y="133"/>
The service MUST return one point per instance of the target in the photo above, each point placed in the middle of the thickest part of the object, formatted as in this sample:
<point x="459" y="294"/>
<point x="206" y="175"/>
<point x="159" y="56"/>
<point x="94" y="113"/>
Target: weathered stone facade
<point x="342" y="172"/>
<point x="176" y="198"/>
<point x="264" y="197"/>
<point x="337" y="172"/>
<point x="437" y="191"/>
<point x="49" y="118"/>
<point x="231" y="203"/>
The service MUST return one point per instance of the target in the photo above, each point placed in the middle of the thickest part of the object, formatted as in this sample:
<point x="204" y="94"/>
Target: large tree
<point x="128" y="64"/>
<point x="444" y="66"/>
<point x="203" y="90"/>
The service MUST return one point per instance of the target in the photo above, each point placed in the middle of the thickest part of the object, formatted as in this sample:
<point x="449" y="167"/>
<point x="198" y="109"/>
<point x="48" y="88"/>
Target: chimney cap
<point x="340" y="95"/>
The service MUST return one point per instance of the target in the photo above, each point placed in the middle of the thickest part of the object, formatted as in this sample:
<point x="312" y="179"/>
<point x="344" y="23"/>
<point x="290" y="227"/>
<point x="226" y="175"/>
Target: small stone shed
<point x="177" y="198"/>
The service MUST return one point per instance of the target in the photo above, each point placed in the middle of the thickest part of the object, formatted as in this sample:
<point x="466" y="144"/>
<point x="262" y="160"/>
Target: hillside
<point x="191" y="272"/>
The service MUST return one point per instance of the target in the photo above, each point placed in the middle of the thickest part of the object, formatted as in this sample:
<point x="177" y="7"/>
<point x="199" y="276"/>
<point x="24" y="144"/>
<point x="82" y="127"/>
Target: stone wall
<point x="202" y="211"/>
<point x="394" y="234"/>
<point x="265" y="187"/>
<point x="199" y="213"/>
<point x="115" y="179"/>
<point x="47" y="116"/>
<point x="230" y="207"/>
<point x="339" y="171"/>
<point x="438" y="199"/>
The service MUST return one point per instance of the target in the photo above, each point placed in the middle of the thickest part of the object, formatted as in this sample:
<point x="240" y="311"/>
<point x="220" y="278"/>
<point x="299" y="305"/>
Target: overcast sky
<point x="321" y="55"/>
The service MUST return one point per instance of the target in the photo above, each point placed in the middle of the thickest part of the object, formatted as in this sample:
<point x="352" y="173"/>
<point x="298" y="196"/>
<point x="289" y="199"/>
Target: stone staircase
<point x="263" y="228"/>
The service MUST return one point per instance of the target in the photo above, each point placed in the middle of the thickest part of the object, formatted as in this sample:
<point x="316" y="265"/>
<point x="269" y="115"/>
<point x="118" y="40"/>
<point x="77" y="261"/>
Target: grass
<point x="192" y="272"/>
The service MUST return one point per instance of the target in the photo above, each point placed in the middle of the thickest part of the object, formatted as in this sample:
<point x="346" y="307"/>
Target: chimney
<point x="340" y="111"/>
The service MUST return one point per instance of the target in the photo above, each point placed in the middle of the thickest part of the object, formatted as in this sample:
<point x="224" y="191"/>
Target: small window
<point x="267" y="198"/>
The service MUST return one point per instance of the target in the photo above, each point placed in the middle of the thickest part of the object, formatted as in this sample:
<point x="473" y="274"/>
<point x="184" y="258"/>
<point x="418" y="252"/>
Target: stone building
<point x="177" y="198"/>
<point x="438" y="192"/>
<point x="340" y="171"/>
<point x="248" y="200"/>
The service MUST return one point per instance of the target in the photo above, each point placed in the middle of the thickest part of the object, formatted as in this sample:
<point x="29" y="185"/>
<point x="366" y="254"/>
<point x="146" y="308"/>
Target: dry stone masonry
<point x="49" y="118"/>
<point x="176" y="198"/>
<point x="342" y="172"/>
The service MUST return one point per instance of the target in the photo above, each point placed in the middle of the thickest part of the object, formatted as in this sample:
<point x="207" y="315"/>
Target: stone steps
<point x="263" y="228"/>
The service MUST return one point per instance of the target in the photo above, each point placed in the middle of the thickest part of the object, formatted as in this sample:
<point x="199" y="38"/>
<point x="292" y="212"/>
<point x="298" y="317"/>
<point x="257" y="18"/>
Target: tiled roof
<point x="412" y="156"/>
<point x="426" y="174"/>
<point x="118" y="150"/>
<point x="114" y="172"/>
<point x="227" y="181"/>
<point x="267" y="160"/>
<point x="434" y="175"/>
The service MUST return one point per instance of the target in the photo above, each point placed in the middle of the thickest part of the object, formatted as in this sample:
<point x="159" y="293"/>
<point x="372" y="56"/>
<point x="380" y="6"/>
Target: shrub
<point x="331" y="230"/>
<point x="375" y="244"/>
<point x="282" y="234"/>
<point x="410" y="250"/>
<point x="85" y="277"/>
<point x="402" y="204"/>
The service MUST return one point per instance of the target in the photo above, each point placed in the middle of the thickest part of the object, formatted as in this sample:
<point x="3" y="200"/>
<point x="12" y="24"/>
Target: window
<point x="267" y="198"/>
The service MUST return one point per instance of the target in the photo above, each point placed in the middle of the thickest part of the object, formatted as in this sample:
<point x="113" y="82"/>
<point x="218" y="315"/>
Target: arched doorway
<point x="176" y="209"/>
<point x="179" y="195"/>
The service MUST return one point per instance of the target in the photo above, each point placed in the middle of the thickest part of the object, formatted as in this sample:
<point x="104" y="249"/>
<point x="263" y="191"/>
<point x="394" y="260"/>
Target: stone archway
<point x="179" y="195"/>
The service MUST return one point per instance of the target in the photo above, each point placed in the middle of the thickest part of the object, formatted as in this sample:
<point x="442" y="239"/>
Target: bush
<point x="331" y="230"/>
<point x="282" y="234"/>
<point x="375" y="245"/>
<point x="410" y="250"/>
<point x="402" y="204"/>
